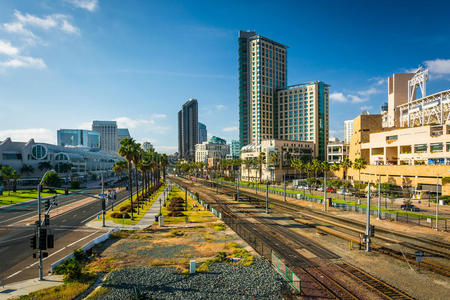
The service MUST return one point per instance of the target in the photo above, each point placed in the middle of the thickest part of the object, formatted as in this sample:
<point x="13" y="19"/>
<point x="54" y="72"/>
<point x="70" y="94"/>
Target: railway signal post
<point x="267" y="197"/>
<point x="368" y="220"/>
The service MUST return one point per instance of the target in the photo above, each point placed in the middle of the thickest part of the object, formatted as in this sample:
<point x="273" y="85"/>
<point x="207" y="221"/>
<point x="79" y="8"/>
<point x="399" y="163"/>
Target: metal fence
<point x="424" y="220"/>
<point x="263" y="249"/>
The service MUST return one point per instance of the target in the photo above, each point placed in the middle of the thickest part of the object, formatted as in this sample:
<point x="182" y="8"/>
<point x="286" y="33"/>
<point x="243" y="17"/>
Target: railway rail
<point x="278" y="238"/>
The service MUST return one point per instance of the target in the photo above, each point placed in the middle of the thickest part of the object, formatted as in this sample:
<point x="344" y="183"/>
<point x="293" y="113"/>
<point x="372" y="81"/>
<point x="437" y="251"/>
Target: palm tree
<point x="359" y="164"/>
<point x="273" y="161"/>
<point x="260" y="161"/>
<point x="248" y="163"/>
<point x="164" y="163"/>
<point x="345" y="165"/>
<point x="316" y="164"/>
<point x="15" y="176"/>
<point x="26" y="169"/>
<point x="44" y="166"/>
<point x="119" y="166"/>
<point x="127" y="150"/>
<point x="136" y="157"/>
<point x="324" y="167"/>
<point x="335" y="167"/>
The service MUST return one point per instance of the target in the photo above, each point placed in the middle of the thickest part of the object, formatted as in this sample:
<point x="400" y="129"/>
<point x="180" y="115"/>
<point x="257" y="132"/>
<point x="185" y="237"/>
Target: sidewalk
<point x="25" y="287"/>
<point x="146" y="221"/>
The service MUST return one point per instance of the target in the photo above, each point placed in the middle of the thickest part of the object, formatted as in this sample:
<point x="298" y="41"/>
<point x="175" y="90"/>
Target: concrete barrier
<point x="86" y="247"/>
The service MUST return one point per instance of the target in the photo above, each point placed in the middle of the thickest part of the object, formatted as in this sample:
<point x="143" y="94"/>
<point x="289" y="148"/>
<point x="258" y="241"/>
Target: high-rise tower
<point x="262" y="70"/>
<point x="109" y="140"/>
<point x="188" y="129"/>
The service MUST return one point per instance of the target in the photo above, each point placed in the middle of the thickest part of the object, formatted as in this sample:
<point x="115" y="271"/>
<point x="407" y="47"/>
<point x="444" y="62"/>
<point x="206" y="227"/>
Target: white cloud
<point x="220" y="107"/>
<point x="159" y="116"/>
<point x="339" y="97"/>
<point x="438" y="66"/>
<point x="230" y="129"/>
<point x="357" y="99"/>
<point x="166" y="149"/>
<point x="24" y="135"/>
<point x="54" y="21"/>
<point x="7" y="48"/>
<point x="69" y="28"/>
<point x="366" y="107"/>
<point x="90" y="5"/>
<point x="126" y="122"/>
<point x="24" y="62"/>
<point x="369" y="91"/>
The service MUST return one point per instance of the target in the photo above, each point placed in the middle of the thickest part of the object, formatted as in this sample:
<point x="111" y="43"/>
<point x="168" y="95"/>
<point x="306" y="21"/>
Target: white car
<point x="341" y="192"/>
<point x="320" y="189"/>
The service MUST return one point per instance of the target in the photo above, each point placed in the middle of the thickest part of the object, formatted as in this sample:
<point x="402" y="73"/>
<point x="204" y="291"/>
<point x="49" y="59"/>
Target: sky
<point x="64" y="63"/>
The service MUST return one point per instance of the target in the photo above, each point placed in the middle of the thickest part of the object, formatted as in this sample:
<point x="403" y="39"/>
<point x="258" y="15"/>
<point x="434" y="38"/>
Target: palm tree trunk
<point x="137" y="188"/>
<point x="130" y="185"/>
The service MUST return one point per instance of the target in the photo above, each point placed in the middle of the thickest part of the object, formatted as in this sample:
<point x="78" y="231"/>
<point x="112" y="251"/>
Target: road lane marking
<point x="35" y="263"/>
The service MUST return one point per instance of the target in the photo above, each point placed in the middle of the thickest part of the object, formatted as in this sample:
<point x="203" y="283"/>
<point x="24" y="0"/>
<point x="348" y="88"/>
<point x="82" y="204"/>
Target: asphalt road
<point x="16" y="228"/>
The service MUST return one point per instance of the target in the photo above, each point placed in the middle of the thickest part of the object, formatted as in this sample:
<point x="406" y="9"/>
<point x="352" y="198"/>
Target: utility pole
<point x="368" y="221"/>
<point x="239" y="180"/>
<point x="379" y="198"/>
<point x="437" y="202"/>
<point x="39" y="229"/>
<point x="325" y="191"/>
<point x="284" y="178"/>
<point x="267" y="197"/>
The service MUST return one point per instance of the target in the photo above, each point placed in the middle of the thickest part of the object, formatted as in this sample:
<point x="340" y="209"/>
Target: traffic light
<point x="66" y="191"/>
<point x="43" y="239"/>
<point x="33" y="242"/>
<point x="46" y="220"/>
<point x="47" y="204"/>
<point x="50" y="241"/>
<point x="372" y="230"/>
<point x="103" y="204"/>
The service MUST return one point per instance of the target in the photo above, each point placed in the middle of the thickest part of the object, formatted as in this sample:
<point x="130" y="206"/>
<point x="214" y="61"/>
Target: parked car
<point x="341" y="192"/>
<point x="409" y="207"/>
<point x="331" y="190"/>
<point x="320" y="189"/>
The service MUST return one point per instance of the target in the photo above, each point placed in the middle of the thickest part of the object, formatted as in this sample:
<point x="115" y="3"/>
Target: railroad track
<point x="259" y="200"/>
<point x="331" y="286"/>
<point x="383" y="289"/>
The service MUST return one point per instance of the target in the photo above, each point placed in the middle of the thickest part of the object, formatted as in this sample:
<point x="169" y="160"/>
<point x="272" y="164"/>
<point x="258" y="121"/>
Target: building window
<point x="420" y="148"/>
<point x="38" y="152"/>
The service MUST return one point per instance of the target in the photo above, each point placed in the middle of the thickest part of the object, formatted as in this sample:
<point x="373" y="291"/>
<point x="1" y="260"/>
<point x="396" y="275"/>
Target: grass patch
<point x="69" y="290"/>
<point x="142" y="210"/>
<point x="97" y="293"/>
<point x="362" y="205"/>
<point x="219" y="227"/>
<point x="10" y="197"/>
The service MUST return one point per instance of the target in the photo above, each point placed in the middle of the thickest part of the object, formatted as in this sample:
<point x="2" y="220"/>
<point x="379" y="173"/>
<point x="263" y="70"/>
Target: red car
<point x="331" y="190"/>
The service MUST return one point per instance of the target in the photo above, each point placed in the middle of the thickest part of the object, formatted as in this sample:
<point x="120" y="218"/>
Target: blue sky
<point x="65" y="63"/>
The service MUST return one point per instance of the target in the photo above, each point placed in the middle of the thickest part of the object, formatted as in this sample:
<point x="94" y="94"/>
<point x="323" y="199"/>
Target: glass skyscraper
<point x="78" y="137"/>
<point x="202" y="133"/>
<point x="188" y="130"/>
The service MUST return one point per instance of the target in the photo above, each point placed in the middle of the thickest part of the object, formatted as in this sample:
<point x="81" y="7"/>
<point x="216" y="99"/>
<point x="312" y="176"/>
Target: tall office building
<point x="109" y="140"/>
<point x="202" y="133"/>
<point x="268" y="108"/>
<point x="348" y="131"/>
<point x="262" y="70"/>
<point x="122" y="133"/>
<point x="235" y="149"/>
<point x="303" y="115"/>
<point x="78" y="137"/>
<point x="188" y="129"/>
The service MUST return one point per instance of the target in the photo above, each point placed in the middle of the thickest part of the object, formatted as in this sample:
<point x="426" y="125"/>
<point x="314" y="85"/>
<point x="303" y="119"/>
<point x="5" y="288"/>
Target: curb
<point x="87" y="246"/>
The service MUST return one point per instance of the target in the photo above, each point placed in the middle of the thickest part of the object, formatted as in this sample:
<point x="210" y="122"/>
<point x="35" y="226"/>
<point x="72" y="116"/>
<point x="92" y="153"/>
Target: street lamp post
<point x="284" y="178"/>
<point x="368" y="221"/>
<point x="267" y="197"/>
<point x="41" y="277"/>
<point x="379" y="197"/>
<point x="324" y="191"/>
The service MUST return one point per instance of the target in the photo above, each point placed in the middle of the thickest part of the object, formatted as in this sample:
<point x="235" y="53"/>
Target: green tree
<point x="44" y="166"/>
<point x="359" y="164"/>
<point x="126" y="150"/>
<point x="26" y="169"/>
<point x="260" y="161"/>
<point x="52" y="179"/>
<point x="345" y="165"/>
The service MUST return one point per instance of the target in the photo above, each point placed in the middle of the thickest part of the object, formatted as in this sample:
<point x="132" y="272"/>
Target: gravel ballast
<point x="223" y="281"/>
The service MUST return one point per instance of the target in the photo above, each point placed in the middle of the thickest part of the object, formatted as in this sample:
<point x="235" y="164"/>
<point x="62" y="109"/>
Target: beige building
<point x="303" y="114"/>
<point x="337" y="151"/>
<point x="278" y="154"/>
<point x="363" y="126"/>
<point x="207" y="150"/>
<point x="425" y="145"/>
<point x="397" y="95"/>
